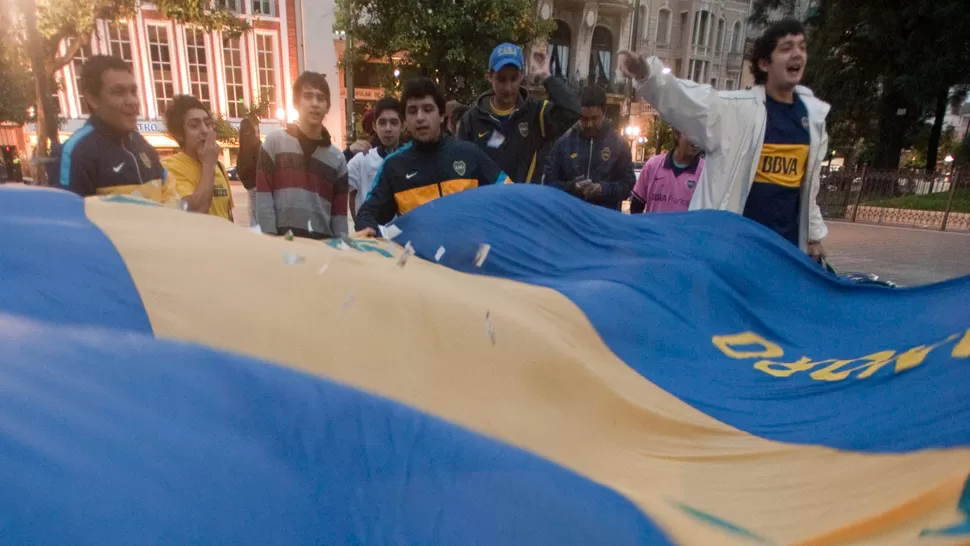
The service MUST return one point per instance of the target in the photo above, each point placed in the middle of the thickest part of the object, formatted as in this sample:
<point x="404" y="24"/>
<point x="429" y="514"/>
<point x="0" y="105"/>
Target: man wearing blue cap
<point x="516" y="131"/>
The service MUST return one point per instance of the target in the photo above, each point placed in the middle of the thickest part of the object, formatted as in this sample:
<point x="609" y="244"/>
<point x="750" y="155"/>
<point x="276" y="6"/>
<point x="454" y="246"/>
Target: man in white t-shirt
<point x="363" y="168"/>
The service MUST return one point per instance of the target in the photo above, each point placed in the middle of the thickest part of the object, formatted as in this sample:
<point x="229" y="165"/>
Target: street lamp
<point x="632" y="132"/>
<point x="397" y="72"/>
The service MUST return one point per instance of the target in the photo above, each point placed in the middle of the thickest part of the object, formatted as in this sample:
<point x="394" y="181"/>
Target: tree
<point x="72" y="23"/>
<point x="16" y="83"/>
<point x="662" y="136"/>
<point x="448" y="40"/>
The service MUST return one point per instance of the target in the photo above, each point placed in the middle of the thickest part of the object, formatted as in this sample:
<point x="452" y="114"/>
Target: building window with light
<point x="232" y="60"/>
<point x="736" y="38"/>
<point x="601" y="56"/>
<point x="266" y="69"/>
<point x="160" y="55"/>
<point x="558" y="50"/>
<point x="77" y="62"/>
<point x="663" y="27"/>
<point x="119" y="40"/>
<point x="197" y="63"/>
<point x="231" y="5"/>
<point x="264" y="7"/>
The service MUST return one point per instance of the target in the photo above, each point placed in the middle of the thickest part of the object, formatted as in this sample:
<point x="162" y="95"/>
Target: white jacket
<point x="361" y="171"/>
<point x="730" y="127"/>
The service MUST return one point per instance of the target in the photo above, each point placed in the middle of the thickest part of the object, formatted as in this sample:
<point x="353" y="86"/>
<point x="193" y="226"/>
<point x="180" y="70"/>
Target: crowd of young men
<point x="756" y="152"/>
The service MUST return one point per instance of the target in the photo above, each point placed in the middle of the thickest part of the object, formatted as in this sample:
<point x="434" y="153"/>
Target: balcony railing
<point x="615" y="87"/>
<point x="734" y="60"/>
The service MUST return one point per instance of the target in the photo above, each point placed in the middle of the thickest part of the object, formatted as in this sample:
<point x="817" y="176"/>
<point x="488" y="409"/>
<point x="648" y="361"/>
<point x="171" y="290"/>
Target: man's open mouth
<point x="794" y="68"/>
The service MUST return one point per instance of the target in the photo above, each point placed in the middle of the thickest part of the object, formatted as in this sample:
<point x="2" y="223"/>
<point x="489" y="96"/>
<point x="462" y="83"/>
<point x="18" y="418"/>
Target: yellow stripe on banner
<point x="458" y="185"/>
<point x="588" y="410"/>
<point x="413" y="198"/>
<point x="542" y="118"/>
<point x="532" y="168"/>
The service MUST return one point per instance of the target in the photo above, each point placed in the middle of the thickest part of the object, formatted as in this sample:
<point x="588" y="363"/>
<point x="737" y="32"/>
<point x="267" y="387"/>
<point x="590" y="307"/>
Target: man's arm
<point x="79" y="170"/>
<point x="339" y="204"/>
<point x="553" y="174"/>
<point x="197" y="195"/>
<point x="816" y="225"/>
<point x="265" y="182"/>
<point x="620" y="183"/>
<point x="353" y="185"/>
<point x="640" y="194"/>
<point x="380" y="206"/>
<point x="463" y="130"/>
<point x="693" y="109"/>
<point x="248" y="153"/>
<point x="488" y="171"/>
<point x="560" y="112"/>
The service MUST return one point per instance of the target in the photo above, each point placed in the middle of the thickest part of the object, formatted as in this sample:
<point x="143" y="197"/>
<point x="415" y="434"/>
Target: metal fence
<point x="897" y="197"/>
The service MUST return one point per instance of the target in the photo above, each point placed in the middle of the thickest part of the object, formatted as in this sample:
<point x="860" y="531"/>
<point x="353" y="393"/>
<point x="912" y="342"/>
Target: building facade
<point x="228" y="74"/>
<point x="700" y="40"/>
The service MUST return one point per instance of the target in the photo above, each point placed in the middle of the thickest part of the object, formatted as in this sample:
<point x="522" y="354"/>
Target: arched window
<point x="643" y="23"/>
<point x="558" y="49"/>
<point x="601" y="56"/>
<point x="736" y="38"/>
<point x="663" y="27"/>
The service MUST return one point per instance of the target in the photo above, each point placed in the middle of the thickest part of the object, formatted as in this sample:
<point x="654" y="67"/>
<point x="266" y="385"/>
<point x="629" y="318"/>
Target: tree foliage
<point x="883" y="65"/>
<point x="661" y="136"/>
<point x="16" y="82"/>
<point x="450" y="40"/>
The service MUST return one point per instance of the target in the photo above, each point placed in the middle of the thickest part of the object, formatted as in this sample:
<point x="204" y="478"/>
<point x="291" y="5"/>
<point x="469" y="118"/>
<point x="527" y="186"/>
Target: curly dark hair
<point x="175" y="115"/>
<point x="765" y="45"/>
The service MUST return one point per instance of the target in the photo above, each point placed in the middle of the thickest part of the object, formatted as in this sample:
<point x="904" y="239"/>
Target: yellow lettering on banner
<point x="727" y="344"/>
<point x="962" y="350"/>
<point x="786" y="369"/>
<point x="915" y="356"/>
<point x="873" y="363"/>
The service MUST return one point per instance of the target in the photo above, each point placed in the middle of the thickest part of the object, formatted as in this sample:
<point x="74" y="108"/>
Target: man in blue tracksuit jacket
<point x="592" y="161"/>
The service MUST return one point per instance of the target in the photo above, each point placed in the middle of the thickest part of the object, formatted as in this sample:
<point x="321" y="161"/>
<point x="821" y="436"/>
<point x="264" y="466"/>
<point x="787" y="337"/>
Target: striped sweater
<point x="301" y="186"/>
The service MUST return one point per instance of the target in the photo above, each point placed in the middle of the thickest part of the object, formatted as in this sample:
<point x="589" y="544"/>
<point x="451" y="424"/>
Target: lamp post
<point x="948" y="161"/>
<point x="632" y="132"/>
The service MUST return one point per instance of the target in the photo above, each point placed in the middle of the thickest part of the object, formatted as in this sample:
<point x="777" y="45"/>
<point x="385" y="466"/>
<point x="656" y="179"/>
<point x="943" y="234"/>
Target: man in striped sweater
<point x="301" y="178"/>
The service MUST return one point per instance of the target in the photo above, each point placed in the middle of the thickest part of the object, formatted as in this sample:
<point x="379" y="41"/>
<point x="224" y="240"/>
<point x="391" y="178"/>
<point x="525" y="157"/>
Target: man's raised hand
<point x="633" y="65"/>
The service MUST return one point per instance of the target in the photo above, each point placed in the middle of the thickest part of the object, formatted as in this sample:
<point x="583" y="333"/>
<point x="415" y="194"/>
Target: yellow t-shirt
<point x="187" y="173"/>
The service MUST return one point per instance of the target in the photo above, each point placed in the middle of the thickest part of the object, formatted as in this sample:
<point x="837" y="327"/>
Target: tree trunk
<point x="894" y="113"/>
<point x="932" y="149"/>
<point x="46" y="116"/>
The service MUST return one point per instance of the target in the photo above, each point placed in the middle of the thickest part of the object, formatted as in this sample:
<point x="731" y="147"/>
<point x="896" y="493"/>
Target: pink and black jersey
<point x="663" y="186"/>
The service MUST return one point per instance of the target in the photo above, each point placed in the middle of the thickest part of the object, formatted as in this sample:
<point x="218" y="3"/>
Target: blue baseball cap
<point x="505" y="55"/>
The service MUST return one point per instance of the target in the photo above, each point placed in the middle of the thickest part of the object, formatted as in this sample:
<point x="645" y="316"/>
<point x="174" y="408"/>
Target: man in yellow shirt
<point x="200" y="179"/>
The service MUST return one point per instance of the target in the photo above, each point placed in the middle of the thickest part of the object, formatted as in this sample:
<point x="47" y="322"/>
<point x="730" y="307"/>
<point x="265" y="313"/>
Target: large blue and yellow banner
<point x="541" y="372"/>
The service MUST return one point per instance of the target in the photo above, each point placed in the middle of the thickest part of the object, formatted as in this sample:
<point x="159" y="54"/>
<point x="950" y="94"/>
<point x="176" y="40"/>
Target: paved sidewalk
<point x="906" y="256"/>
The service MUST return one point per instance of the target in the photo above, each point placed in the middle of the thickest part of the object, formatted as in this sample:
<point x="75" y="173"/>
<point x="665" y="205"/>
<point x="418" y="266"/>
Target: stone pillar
<point x="623" y="42"/>
<point x="584" y="40"/>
